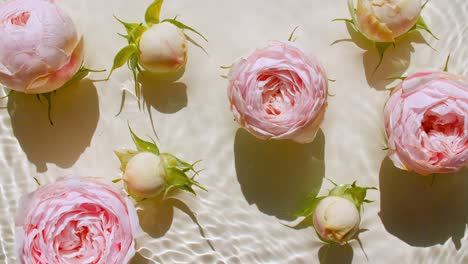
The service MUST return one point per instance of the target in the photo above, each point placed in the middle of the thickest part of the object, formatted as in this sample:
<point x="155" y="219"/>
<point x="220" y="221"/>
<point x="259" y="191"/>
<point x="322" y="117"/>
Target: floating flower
<point x="147" y="173"/>
<point x="279" y="92"/>
<point x="336" y="217"/>
<point x="426" y="120"/>
<point x="76" y="220"/>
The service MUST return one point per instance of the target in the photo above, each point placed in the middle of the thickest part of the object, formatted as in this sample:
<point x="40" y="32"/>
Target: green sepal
<point x="125" y="157"/>
<point x="291" y="36"/>
<point x="142" y="145"/>
<point x="48" y="97"/>
<point x="352" y="192"/>
<point x="381" y="48"/>
<point x="129" y="27"/>
<point x="308" y="208"/>
<point x="153" y="12"/>
<point x="176" y="174"/>
<point x="184" y="27"/>
<point x="446" y="67"/>
<point x="421" y="25"/>
<point x="7" y="95"/>
<point x="122" y="57"/>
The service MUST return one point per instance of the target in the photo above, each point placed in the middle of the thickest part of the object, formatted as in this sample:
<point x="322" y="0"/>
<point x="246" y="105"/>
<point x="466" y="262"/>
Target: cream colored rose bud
<point x="336" y="219"/>
<point x="384" y="20"/>
<point x="163" y="48"/>
<point x="144" y="175"/>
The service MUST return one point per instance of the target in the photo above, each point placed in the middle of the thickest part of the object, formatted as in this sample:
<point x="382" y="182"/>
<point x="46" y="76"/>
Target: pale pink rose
<point x="76" y="220"/>
<point x="40" y="49"/>
<point x="279" y="92"/>
<point x="426" y="120"/>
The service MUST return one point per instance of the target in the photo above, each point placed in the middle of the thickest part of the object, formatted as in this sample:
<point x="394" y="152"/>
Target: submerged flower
<point x="40" y="49"/>
<point x="279" y="92"/>
<point x="76" y="220"/>
<point x="336" y="217"/>
<point x="426" y="120"/>
<point x="384" y="20"/>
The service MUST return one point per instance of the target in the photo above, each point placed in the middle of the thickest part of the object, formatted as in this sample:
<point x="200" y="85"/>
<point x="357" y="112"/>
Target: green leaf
<point x="292" y="33"/>
<point x="116" y="180"/>
<point x="352" y="192"/>
<point x="125" y="157"/>
<point x="183" y="27"/>
<point x="153" y="12"/>
<point x="122" y="57"/>
<point x="421" y="25"/>
<point x="143" y="146"/>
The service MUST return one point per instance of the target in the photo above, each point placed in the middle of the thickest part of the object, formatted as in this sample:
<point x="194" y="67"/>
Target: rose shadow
<point x="75" y="113"/>
<point x="277" y="175"/>
<point x="395" y="62"/>
<point x="422" y="214"/>
<point x="139" y="259"/>
<point x="156" y="216"/>
<point x="336" y="254"/>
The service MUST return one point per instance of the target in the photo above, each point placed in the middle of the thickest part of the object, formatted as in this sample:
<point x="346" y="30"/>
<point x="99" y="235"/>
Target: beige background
<point x="253" y="185"/>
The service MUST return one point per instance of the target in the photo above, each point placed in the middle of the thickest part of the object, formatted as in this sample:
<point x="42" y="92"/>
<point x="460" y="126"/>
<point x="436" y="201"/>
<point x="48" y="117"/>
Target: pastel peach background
<point x="253" y="185"/>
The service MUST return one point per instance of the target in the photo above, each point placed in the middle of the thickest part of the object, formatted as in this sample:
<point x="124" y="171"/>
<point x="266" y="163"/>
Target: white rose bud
<point x="384" y="20"/>
<point x="336" y="219"/>
<point x="163" y="48"/>
<point x="144" y="175"/>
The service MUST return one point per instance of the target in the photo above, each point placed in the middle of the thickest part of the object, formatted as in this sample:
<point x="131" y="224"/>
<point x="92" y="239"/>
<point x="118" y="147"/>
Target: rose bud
<point x="159" y="46"/>
<point x="336" y="217"/>
<point x="147" y="173"/>
<point x="279" y="92"/>
<point x="426" y="122"/>
<point x="163" y="48"/>
<point x="40" y="47"/>
<point x="76" y="220"/>
<point x="385" y="20"/>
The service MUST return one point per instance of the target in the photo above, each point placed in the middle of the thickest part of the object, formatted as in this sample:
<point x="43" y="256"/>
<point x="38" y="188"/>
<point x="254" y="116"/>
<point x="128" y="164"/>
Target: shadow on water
<point x="156" y="216"/>
<point x="422" y="213"/>
<point x="335" y="254"/>
<point x="75" y="113"/>
<point x="395" y="62"/>
<point x="163" y="94"/>
<point x="277" y="175"/>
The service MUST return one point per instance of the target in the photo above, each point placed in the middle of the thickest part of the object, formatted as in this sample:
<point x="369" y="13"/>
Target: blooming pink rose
<point x="279" y="92"/>
<point x="76" y="220"/>
<point x="426" y="120"/>
<point x="40" y="49"/>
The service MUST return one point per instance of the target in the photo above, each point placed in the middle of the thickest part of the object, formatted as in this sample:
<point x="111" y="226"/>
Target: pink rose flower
<point x="40" y="47"/>
<point x="76" y="220"/>
<point x="279" y="92"/>
<point x="426" y="120"/>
